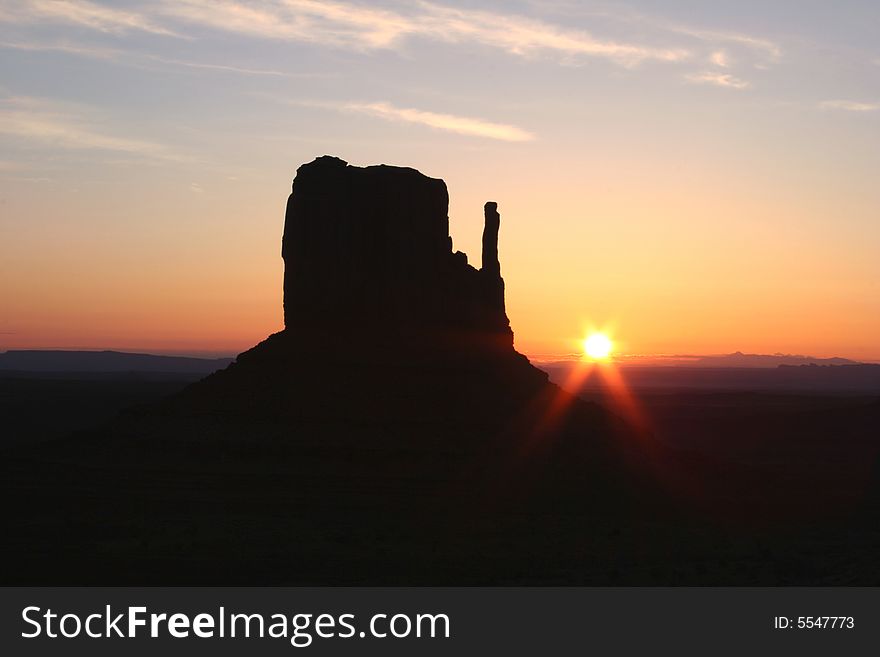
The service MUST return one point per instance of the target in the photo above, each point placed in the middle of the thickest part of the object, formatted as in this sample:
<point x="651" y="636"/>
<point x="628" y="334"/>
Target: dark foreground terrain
<point x="38" y="406"/>
<point x="756" y="488"/>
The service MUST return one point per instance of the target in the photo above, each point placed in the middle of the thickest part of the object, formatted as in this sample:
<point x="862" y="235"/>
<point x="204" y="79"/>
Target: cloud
<point x="850" y="106"/>
<point x="720" y="48"/>
<point x="720" y="58"/>
<point x="81" y="12"/>
<point x="523" y="36"/>
<point x="764" y="46"/>
<point x="38" y="121"/>
<point x="449" y="122"/>
<point x="717" y="79"/>
<point x="343" y="24"/>
<point x="221" y="67"/>
<point x="366" y="27"/>
<point x="462" y="125"/>
<point x="95" y="52"/>
<point x="138" y="59"/>
<point x="328" y="23"/>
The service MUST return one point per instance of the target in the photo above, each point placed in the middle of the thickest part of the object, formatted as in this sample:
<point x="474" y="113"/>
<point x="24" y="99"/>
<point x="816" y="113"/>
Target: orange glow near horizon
<point x="649" y="267"/>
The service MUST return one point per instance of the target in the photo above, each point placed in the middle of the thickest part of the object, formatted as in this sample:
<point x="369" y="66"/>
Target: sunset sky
<point x="691" y="177"/>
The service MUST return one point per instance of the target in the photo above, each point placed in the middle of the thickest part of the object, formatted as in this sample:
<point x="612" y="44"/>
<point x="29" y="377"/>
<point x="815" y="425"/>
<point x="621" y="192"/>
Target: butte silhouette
<point x="387" y="328"/>
<point x="383" y="320"/>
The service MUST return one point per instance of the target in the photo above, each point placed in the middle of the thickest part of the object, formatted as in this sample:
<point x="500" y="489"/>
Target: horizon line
<point x="680" y="359"/>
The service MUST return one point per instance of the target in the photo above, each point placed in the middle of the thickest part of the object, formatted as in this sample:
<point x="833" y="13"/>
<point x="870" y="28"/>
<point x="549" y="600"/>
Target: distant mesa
<point x="78" y="361"/>
<point x="739" y="359"/>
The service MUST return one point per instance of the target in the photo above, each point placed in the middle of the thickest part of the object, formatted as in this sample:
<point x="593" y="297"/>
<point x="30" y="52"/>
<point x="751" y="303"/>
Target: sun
<point x="597" y="346"/>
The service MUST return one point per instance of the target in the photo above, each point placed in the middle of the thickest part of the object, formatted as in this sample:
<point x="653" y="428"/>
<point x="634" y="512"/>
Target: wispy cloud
<point x="81" y="12"/>
<point x="366" y="27"/>
<point x="850" y="106"/>
<point x="38" y="121"/>
<point x="139" y="59"/>
<point x="344" y="24"/>
<point x="721" y="48"/>
<point x="523" y="36"/>
<point x="328" y="23"/>
<point x="341" y="24"/>
<point x="94" y="52"/>
<point x="764" y="46"/>
<point x="717" y="79"/>
<point x="449" y="122"/>
<point x="716" y="39"/>
<point x="222" y="67"/>
<point x="359" y="26"/>
<point x="462" y="125"/>
<point x="720" y="58"/>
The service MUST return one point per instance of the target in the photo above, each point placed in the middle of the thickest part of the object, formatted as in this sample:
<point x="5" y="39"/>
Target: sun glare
<point x="597" y="346"/>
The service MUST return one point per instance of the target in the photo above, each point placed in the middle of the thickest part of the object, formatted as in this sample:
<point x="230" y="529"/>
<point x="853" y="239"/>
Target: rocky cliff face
<point x="368" y="249"/>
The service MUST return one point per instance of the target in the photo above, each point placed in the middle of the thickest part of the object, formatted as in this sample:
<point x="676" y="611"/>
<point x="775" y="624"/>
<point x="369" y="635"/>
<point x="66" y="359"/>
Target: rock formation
<point x="375" y="299"/>
<point x="491" y="269"/>
<point x="369" y="249"/>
